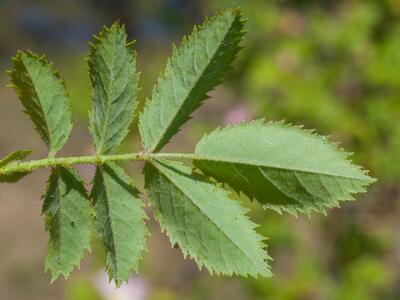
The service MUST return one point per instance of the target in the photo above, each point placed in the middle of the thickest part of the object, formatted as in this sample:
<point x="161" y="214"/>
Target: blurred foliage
<point x="82" y="289"/>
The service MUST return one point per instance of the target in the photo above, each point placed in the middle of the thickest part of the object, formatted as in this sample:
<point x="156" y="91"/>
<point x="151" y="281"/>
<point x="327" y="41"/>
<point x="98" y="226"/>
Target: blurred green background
<point x="330" y="65"/>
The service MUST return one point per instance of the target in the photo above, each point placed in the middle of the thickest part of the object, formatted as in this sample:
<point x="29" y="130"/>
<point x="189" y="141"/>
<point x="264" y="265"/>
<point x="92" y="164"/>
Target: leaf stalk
<point x="29" y="166"/>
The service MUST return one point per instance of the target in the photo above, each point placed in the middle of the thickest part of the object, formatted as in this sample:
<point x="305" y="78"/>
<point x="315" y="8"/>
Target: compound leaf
<point x="68" y="217"/>
<point x="206" y="224"/>
<point x="255" y="158"/>
<point x="112" y="65"/>
<point x="194" y="69"/>
<point x="120" y="221"/>
<point x="44" y="97"/>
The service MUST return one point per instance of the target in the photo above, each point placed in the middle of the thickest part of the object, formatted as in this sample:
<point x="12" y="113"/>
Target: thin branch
<point x="32" y="165"/>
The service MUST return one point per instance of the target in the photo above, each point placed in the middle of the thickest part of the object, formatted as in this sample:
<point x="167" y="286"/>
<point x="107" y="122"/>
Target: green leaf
<point x="208" y="226"/>
<point x="13" y="157"/>
<point x="68" y="218"/>
<point x="194" y="69"/>
<point x="112" y="65"/>
<point x="254" y="158"/>
<point x="120" y="221"/>
<point x="44" y="97"/>
<point x="13" y="176"/>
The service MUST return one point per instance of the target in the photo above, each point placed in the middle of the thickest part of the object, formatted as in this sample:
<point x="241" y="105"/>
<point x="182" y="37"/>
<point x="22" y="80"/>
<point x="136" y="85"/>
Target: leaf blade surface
<point x="112" y="69"/>
<point x="206" y="224"/>
<point x="255" y="157"/>
<point x="120" y="221"/>
<point x="68" y="217"/>
<point x="194" y="69"/>
<point x="44" y="97"/>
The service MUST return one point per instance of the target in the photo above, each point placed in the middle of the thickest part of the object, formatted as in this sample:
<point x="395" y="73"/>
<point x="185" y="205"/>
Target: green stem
<point x="29" y="166"/>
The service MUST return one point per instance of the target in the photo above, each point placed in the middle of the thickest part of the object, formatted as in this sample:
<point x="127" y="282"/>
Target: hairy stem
<point x="32" y="165"/>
